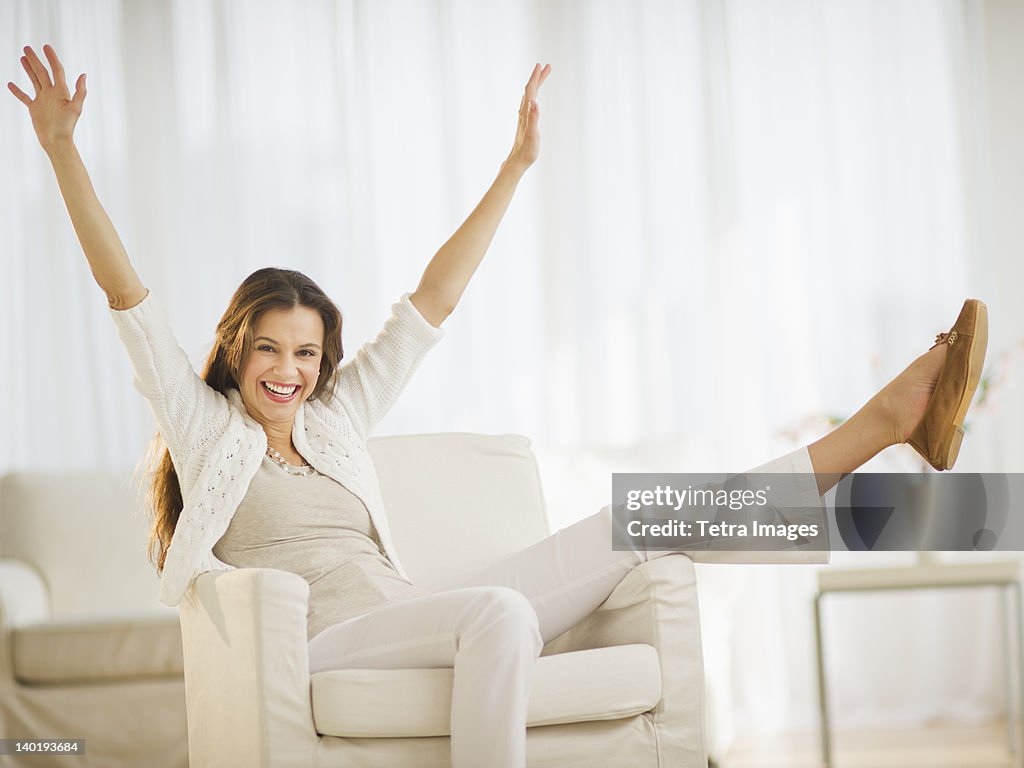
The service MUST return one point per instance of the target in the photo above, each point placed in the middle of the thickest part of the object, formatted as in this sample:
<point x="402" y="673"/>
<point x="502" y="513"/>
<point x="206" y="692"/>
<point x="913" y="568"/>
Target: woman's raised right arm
<point x="55" y="112"/>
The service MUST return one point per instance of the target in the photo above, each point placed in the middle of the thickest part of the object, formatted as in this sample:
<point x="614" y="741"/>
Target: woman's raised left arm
<point x="448" y="273"/>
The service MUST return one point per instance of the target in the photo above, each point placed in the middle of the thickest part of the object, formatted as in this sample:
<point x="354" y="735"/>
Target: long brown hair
<point x="263" y="290"/>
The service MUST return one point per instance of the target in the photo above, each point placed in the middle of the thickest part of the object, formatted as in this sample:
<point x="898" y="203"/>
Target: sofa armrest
<point x="247" y="669"/>
<point x="24" y="599"/>
<point x="656" y="603"/>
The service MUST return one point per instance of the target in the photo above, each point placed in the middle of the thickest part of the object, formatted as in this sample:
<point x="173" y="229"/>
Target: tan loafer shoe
<point x="937" y="438"/>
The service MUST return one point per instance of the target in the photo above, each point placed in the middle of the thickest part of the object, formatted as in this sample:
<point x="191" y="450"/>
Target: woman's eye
<point x="264" y="348"/>
<point x="309" y="353"/>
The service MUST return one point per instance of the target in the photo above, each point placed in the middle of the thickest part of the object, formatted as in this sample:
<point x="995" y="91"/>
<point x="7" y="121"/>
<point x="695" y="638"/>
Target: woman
<point x="266" y="461"/>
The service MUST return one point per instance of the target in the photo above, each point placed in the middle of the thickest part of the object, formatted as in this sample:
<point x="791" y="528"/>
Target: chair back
<point x="458" y="502"/>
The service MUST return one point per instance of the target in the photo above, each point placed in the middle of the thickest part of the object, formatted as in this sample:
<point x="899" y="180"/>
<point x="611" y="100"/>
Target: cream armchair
<point x="623" y="688"/>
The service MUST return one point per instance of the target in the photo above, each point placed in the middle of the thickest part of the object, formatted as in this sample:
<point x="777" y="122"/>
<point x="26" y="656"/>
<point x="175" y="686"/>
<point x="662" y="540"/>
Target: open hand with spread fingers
<point x="527" y="144"/>
<point x="54" y="111"/>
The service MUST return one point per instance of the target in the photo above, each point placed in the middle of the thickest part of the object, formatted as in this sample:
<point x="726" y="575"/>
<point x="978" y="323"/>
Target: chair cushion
<point x="598" y="684"/>
<point x="97" y="650"/>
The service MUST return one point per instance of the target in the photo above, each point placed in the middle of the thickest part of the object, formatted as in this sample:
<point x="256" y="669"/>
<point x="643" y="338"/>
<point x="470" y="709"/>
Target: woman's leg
<point x="570" y="573"/>
<point x="488" y="634"/>
<point x="567" y="575"/>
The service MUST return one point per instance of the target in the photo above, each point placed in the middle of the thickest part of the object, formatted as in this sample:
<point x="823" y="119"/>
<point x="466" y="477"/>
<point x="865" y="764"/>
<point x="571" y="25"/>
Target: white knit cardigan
<point x="216" y="447"/>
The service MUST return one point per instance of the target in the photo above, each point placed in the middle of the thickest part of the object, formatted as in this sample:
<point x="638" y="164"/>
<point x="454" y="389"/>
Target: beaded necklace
<point x="304" y="471"/>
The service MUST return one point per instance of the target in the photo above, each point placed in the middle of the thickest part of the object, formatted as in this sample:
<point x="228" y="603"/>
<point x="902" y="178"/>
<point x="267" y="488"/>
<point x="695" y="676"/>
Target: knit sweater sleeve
<point x="369" y="384"/>
<point x="184" y="406"/>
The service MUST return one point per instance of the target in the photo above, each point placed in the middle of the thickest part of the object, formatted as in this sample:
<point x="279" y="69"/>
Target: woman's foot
<point x="925" y="405"/>
<point x="888" y="418"/>
<point x="902" y="403"/>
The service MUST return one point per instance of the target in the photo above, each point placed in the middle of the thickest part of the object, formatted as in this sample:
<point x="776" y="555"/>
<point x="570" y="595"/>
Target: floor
<point x="950" y="747"/>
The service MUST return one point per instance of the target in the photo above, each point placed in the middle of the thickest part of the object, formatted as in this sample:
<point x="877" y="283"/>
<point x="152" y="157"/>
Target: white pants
<point x="492" y="628"/>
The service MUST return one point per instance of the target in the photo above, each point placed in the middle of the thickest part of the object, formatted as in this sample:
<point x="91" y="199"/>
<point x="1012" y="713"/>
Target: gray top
<point x="317" y="528"/>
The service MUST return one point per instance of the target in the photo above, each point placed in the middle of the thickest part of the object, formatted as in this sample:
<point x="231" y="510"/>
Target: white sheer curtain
<point x="744" y="212"/>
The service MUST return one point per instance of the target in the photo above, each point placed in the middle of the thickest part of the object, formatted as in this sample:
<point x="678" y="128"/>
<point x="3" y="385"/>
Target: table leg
<point x="1018" y="713"/>
<point x="1006" y="637"/>
<point x="826" y="746"/>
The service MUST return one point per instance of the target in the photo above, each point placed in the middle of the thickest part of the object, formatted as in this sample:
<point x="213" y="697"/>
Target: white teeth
<point x="283" y="391"/>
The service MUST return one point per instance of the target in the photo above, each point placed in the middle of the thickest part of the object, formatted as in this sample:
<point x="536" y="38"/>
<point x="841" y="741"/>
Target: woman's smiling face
<point x="283" y="365"/>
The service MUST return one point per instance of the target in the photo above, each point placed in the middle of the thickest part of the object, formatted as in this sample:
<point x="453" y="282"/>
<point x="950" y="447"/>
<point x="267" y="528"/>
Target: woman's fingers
<point x="527" y="144"/>
<point x="55" y="65"/>
<point x="79" y="98"/>
<point x="31" y="74"/>
<point x="19" y="94"/>
<point x="537" y="78"/>
<point x="531" y="84"/>
<point x="38" y="67"/>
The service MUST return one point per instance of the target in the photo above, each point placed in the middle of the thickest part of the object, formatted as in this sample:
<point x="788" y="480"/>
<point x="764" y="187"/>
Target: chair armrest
<point x="24" y="599"/>
<point x="247" y="669"/>
<point x="656" y="603"/>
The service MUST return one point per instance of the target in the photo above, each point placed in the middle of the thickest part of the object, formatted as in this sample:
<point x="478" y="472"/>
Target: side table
<point x="1004" y="575"/>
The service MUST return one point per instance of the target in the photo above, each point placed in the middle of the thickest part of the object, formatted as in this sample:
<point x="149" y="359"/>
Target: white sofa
<point x="86" y="649"/>
<point x="622" y="688"/>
